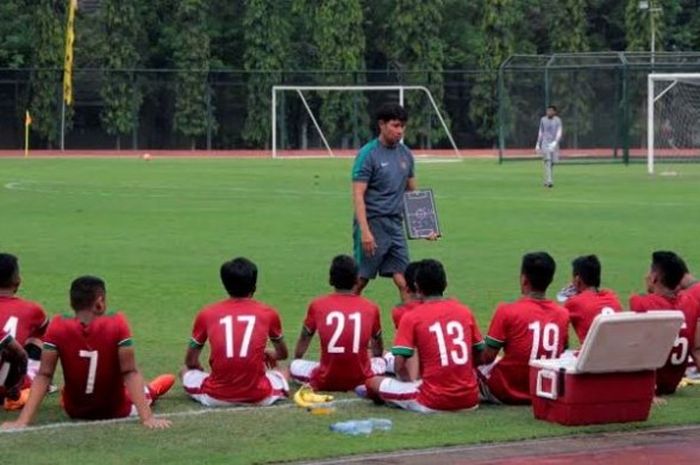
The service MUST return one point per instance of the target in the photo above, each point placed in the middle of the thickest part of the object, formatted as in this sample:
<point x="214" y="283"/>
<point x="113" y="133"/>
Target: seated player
<point x="663" y="282"/>
<point x="412" y="298"/>
<point x="347" y="324"/>
<point x="26" y="321"/>
<point x="101" y="380"/>
<point x="691" y="285"/>
<point x="447" y="337"/>
<point x="532" y="327"/>
<point x="412" y="301"/>
<point x="237" y="329"/>
<point x="11" y="377"/>
<point x="589" y="300"/>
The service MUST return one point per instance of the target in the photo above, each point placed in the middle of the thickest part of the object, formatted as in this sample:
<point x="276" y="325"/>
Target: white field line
<point x="185" y="413"/>
<point x="172" y="192"/>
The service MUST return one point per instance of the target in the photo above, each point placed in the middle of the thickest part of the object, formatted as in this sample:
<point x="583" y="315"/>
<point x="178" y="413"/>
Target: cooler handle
<point x="552" y="377"/>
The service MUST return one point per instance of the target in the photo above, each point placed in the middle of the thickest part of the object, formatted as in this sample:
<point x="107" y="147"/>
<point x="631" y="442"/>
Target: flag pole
<point x="27" y="122"/>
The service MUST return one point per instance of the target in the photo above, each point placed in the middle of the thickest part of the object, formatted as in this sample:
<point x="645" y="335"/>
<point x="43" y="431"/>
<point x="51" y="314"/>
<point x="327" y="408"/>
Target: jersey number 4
<point x="459" y="354"/>
<point x="11" y="329"/>
<point x="227" y="323"/>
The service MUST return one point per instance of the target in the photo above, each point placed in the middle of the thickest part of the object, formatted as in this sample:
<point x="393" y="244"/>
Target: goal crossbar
<point x="673" y="79"/>
<point x="300" y="91"/>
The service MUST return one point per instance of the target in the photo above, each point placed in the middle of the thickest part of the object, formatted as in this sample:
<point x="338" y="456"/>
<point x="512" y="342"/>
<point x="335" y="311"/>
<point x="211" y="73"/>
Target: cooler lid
<point x="629" y="341"/>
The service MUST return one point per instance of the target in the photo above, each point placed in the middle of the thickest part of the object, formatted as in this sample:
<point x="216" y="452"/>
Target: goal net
<point x="314" y="120"/>
<point x="673" y="118"/>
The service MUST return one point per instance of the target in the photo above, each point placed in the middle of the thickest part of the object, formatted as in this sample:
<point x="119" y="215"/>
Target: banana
<point x="305" y="397"/>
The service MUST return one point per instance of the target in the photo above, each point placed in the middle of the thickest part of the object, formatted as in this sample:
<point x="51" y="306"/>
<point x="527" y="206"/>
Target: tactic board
<point x="420" y="214"/>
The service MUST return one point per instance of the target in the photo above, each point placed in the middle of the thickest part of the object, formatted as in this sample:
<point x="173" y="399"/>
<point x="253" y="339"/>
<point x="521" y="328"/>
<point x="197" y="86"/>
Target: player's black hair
<point x="85" y="290"/>
<point x="553" y="107"/>
<point x="239" y="276"/>
<point x="539" y="268"/>
<point x="9" y="270"/>
<point x="430" y="278"/>
<point x="391" y="111"/>
<point x="587" y="267"/>
<point x="343" y="272"/>
<point x="410" y="276"/>
<point x="669" y="266"/>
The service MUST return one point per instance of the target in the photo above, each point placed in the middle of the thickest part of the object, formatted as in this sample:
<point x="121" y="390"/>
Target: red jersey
<point x="5" y="339"/>
<point x="584" y="307"/>
<point x="526" y="329"/>
<point x="237" y="330"/>
<point x="399" y="311"/>
<point x="22" y="318"/>
<point x="89" y="354"/>
<point x="445" y="334"/>
<point x="345" y="325"/>
<point x="694" y="291"/>
<point x="668" y="376"/>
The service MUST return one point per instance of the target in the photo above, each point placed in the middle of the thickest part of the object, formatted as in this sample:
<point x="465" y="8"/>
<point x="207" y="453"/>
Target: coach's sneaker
<point x="17" y="404"/>
<point x="160" y="385"/>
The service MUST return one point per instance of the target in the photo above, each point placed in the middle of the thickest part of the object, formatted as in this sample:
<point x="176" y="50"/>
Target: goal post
<point x="300" y="91"/>
<point x="673" y="117"/>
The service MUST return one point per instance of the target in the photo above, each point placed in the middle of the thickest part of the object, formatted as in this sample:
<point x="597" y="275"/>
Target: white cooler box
<point x="611" y="379"/>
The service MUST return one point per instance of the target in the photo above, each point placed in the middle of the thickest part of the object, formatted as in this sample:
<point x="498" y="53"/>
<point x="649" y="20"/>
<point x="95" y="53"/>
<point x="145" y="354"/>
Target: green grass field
<point x="158" y="231"/>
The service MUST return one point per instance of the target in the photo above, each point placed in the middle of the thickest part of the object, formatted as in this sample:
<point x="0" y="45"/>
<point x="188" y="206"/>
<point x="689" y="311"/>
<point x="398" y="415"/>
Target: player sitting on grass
<point x="533" y="327"/>
<point x="589" y="300"/>
<point x="347" y="324"/>
<point x="662" y="281"/>
<point x="237" y="329"/>
<point x="446" y="335"/>
<point x="97" y="356"/>
<point x="26" y="321"/>
<point x="13" y="374"/>
<point x="412" y="300"/>
<point x="691" y="285"/>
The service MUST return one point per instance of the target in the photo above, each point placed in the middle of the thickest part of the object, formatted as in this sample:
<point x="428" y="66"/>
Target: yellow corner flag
<point x="27" y="123"/>
<point x="68" y="62"/>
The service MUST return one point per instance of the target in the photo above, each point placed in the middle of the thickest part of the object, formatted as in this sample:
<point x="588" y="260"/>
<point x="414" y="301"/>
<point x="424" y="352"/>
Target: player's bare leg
<point x="360" y="285"/>
<point x="400" y="282"/>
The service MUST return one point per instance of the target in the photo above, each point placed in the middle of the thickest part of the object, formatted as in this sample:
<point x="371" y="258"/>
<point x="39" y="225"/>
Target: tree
<point x="15" y="36"/>
<point x="193" y="115"/>
<point x="417" y="53"/>
<point x="498" y="24"/>
<point x="340" y="43"/>
<point x="120" y="91"/>
<point x="266" y="38"/>
<point x="638" y="23"/>
<point x="571" y="89"/>
<point x="46" y="88"/>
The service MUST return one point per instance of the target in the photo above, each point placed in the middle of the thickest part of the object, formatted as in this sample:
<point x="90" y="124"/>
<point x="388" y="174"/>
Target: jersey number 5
<point x="460" y="353"/>
<point x="679" y="355"/>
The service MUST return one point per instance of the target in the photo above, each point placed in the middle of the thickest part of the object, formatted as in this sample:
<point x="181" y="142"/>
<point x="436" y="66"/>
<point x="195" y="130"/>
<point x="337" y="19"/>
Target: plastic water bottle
<point x="382" y="424"/>
<point x="353" y="427"/>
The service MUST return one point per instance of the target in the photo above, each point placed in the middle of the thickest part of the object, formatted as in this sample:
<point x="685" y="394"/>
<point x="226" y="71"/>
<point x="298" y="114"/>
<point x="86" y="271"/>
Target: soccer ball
<point x="146" y="156"/>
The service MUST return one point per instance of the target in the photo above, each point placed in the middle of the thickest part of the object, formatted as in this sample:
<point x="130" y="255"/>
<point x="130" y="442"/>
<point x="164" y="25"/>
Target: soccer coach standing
<point x="381" y="174"/>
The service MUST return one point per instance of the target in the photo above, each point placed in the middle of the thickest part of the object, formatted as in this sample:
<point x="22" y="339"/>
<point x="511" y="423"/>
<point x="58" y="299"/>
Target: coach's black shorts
<point x="391" y="255"/>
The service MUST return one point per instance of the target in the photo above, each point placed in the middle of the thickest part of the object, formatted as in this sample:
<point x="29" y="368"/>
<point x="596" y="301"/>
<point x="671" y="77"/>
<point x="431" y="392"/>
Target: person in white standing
<point x="548" y="142"/>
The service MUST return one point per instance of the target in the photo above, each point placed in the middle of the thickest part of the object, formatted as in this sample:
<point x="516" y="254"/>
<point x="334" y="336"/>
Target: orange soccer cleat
<point x="160" y="385"/>
<point x="18" y="403"/>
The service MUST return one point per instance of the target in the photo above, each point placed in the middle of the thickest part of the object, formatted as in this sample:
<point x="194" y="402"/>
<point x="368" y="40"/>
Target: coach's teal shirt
<point x="386" y="170"/>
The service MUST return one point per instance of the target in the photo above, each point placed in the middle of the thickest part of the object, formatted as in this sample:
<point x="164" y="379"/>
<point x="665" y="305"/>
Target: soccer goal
<point x="312" y="97"/>
<point x="673" y="118"/>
